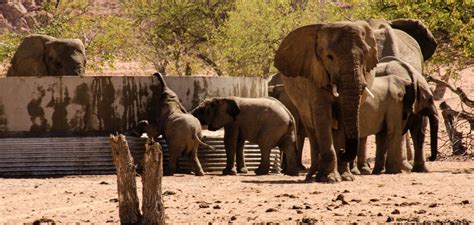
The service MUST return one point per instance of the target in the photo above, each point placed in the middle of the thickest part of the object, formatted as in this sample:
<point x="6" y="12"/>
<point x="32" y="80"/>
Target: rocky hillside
<point x="19" y="16"/>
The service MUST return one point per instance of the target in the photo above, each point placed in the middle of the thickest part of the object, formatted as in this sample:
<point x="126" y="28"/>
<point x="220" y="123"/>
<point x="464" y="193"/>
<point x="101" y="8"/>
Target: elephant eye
<point x="330" y="57"/>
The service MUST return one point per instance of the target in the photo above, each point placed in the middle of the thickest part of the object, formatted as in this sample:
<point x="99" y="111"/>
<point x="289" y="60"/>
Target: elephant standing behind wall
<point x="42" y="55"/>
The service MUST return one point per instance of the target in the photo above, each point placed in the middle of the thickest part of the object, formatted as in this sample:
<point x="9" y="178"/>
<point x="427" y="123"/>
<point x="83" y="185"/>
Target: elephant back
<point x="28" y="59"/>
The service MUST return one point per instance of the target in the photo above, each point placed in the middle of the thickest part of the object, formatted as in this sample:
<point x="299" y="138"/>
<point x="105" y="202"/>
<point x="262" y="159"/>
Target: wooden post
<point x="129" y="211"/>
<point x="153" y="208"/>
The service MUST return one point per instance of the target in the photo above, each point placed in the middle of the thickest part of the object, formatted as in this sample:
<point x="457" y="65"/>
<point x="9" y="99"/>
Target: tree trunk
<point x="153" y="208"/>
<point x="454" y="136"/>
<point x="129" y="211"/>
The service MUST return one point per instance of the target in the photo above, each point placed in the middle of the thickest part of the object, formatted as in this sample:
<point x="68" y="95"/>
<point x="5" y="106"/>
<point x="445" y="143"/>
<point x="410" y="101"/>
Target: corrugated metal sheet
<point x="60" y="156"/>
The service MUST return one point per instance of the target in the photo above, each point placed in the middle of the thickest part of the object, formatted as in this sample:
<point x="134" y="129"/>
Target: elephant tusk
<point x="369" y="92"/>
<point x="334" y="91"/>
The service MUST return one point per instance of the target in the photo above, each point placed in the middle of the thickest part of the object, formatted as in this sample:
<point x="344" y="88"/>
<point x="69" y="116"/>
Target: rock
<point x="204" y="205"/>
<point x="396" y="211"/>
<point x="216" y="207"/>
<point x="356" y="200"/>
<point x="297" y="207"/>
<point x="307" y="207"/>
<point x="433" y="205"/>
<point x="465" y="202"/>
<point x="113" y="200"/>
<point x="167" y="193"/>
<point x="307" y="220"/>
<point x="421" y="211"/>
<point x="299" y="211"/>
<point x="104" y="183"/>
<point x="389" y="219"/>
<point x="271" y="210"/>
<point x="374" y="200"/>
<point x="233" y="218"/>
<point x="379" y="214"/>
<point x="340" y="197"/>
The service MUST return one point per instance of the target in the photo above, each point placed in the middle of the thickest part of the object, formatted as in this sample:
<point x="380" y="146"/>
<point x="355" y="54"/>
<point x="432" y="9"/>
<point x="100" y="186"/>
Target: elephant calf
<point x="264" y="121"/>
<point x="181" y="130"/>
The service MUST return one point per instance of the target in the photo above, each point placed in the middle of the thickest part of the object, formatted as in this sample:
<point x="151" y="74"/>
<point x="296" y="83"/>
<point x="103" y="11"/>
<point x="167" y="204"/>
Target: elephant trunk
<point x="350" y="98"/>
<point x="434" y="122"/>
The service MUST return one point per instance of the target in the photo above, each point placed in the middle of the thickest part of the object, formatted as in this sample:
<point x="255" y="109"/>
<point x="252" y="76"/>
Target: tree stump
<point x="152" y="208"/>
<point x="129" y="211"/>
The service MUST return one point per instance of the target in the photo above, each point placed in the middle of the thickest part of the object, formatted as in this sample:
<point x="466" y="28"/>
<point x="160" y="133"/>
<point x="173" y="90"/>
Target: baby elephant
<point x="263" y="121"/>
<point x="181" y="130"/>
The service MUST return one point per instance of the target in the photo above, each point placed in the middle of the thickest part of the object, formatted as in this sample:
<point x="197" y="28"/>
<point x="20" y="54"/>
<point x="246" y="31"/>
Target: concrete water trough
<point x="55" y="126"/>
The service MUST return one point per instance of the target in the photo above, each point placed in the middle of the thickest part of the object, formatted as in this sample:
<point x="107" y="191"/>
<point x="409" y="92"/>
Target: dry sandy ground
<point x="445" y="194"/>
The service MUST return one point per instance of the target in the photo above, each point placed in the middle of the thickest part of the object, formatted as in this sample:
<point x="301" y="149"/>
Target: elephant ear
<point x="370" y="45"/>
<point x="419" y="32"/>
<point x="297" y="55"/>
<point x="233" y="108"/>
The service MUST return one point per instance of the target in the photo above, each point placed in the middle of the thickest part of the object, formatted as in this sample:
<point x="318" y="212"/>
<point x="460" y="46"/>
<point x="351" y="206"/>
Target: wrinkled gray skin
<point x="313" y="59"/>
<point x="277" y="91"/>
<point x="399" y="91"/>
<point x="411" y="42"/>
<point x="263" y="121"/>
<point x="41" y="55"/>
<point x="181" y="130"/>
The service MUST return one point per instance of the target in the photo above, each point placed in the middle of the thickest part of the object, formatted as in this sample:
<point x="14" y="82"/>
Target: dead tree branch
<point x="462" y="95"/>
<point x="129" y="211"/>
<point x="153" y="208"/>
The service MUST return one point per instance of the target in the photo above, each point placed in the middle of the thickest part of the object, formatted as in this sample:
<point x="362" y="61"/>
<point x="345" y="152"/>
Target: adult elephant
<point x="42" y="55"/>
<point x="320" y="62"/>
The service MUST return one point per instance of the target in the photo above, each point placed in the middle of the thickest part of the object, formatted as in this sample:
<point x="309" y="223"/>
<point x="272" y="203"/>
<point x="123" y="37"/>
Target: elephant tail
<point x="434" y="122"/>
<point x="202" y="143"/>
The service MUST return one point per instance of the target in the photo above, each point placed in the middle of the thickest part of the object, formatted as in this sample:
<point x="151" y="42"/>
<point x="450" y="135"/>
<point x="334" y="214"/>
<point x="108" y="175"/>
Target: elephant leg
<point x="381" y="150"/>
<point x="264" y="167"/>
<point x="198" y="171"/>
<point x="417" y="132"/>
<point x="353" y="167"/>
<point x="343" y="167"/>
<point x="230" y="142"/>
<point x="406" y="166"/>
<point x="362" y="163"/>
<point x="394" y="159"/>
<point x="299" y="148"/>
<point x="314" y="156"/>
<point x="172" y="161"/>
<point x="241" y="168"/>
<point x="408" y="148"/>
<point x="288" y="148"/>
<point x="328" y="159"/>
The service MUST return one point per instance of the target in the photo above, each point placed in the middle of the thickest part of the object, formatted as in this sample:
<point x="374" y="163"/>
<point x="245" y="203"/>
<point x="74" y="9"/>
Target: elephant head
<point x="42" y="55"/>
<point x="419" y="32"/>
<point x="216" y="112"/>
<point x="338" y="56"/>
<point x="65" y="57"/>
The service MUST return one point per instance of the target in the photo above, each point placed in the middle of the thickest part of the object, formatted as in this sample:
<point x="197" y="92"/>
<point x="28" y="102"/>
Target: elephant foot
<point x="378" y="171"/>
<point x="199" y="173"/>
<point x="328" y="178"/>
<point x="406" y="165"/>
<point x="355" y="171"/>
<point x="347" y="176"/>
<point x="295" y="172"/>
<point x="302" y="167"/>
<point x="228" y="171"/>
<point x="365" y="170"/>
<point x="420" y="168"/>
<point x="393" y="170"/>
<point x="261" y="171"/>
<point x="243" y="170"/>
<point x="167" y="173"/>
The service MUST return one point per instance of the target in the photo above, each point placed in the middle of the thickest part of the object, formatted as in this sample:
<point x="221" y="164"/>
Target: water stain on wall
<point x="103" y="98"/>
<point x="36" y="111"/>
<point x="3" y="118"/>
<point x="59" y="102"/>
<point x="82" y="115"/>
<point x="133" y="95"/>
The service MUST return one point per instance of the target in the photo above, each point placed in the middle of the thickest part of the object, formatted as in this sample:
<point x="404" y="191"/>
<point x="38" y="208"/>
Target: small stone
<point x="104" y="183"/>
<point x="204" y="205"/>
<point x="379" y="214"/>
<point x="167" y="193"/>
<point x="307" y="207"/>
<point x="421" y="211"/>
<point x="374" y="200"/>
<point x="356" y="200"/>
<point x="297" y="207"/>
<point x="433" y="205"/>
<point x="346" y="191"/>
<point x="113" y="200"/>
<point x="299" y="211"/>
<point x="465" y="202"/>
<point x="233" y="218"/>
<point x="216" y="207"/>
<point x="390" y="219"/>
<point x="361" y="214"/>
<point x="271" y="210"/>
<point x="338" y="214"/>
<point x="396" y="211"/>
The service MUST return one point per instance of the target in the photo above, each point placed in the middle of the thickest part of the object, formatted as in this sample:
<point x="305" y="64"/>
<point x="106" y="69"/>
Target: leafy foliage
<point x="233" y="37"/>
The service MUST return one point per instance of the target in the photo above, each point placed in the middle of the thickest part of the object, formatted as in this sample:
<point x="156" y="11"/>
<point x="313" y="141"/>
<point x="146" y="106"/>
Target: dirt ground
<point x="445" y="194"/>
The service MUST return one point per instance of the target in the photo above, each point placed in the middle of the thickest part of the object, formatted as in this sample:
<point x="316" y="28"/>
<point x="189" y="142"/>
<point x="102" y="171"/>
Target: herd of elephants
<point x="337" y="84"/>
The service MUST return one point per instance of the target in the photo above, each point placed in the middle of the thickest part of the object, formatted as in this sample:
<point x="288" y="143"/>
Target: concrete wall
<point x="62" y="106"/>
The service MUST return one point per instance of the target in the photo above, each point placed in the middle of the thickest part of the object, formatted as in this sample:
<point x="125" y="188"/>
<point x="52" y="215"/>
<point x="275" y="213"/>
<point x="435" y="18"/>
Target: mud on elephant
<point x="263" y="121"/>
<point x="181" y="130"/>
